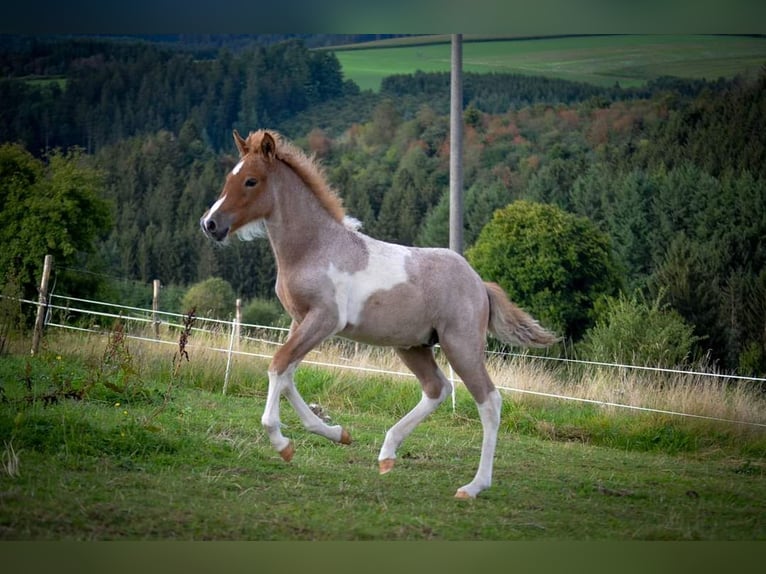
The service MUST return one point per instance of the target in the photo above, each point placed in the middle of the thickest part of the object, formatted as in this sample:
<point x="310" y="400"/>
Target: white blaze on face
<point x="215" y="207"/>
<point x="386" y="268"/>
<point x="221" y="199"/>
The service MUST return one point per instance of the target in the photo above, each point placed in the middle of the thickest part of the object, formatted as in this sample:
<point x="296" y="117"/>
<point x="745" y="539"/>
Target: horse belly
<point x="395" y="317"/>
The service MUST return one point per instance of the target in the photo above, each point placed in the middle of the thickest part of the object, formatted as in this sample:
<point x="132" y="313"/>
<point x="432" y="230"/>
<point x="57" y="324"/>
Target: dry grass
<point x="526" y="377"/>
<point x="10" y="459"/>
<point x="690" y="394"/>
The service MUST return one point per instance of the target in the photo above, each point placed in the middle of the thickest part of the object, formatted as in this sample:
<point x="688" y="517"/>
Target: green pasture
<point x="601" y="60"/>
<point x="154" y="451"/>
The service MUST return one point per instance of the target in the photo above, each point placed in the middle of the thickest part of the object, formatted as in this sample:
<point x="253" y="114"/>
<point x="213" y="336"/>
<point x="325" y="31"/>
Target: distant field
<point x="46" y="81"/>
<point x="601" y="60"/>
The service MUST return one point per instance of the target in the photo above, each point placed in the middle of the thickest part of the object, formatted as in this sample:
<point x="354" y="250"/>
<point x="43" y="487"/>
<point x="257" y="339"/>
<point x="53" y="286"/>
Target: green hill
<point x="601" y="60"/>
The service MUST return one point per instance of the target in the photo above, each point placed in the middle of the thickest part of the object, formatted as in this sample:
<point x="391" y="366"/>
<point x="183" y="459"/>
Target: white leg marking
<point x="402" y="429"/>
<point x="311" y="422"/>
<point x="489" y="413"/>
<point x="284" y="385"/>
<point x="270" y="419"/>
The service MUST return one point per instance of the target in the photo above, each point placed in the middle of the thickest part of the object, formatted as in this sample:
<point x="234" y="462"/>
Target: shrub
<point x="12" y="319"/>
<point x="554" y="264"/>
<point x="632" y="330"/>
<point x="264" y="312"/>
<point x="213" y="298"/>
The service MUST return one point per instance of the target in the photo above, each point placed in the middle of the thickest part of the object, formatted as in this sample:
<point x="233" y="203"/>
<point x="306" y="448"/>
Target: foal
<point x="334" y="280"/>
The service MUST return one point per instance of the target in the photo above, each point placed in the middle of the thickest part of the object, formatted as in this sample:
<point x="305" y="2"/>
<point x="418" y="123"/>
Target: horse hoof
<point x="386" y="465"/>
<point x="463" y="495"/>
<point x="345" y="438"/>
<point x="287" y="452"/>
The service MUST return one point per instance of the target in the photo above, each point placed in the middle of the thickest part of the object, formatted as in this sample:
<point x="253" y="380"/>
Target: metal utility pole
<point x="456" y="147"/>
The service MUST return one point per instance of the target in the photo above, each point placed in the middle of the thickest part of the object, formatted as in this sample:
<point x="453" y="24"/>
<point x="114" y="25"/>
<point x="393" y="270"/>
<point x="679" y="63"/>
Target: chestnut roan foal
<point x="334" y="280"/>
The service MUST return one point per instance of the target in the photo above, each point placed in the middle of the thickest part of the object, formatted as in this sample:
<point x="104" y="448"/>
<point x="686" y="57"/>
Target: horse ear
<point x="268" y="146"/>
<point x="241" y="144"/>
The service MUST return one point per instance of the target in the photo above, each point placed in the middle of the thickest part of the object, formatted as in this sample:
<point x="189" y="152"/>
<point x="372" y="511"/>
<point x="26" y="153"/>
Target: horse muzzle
<point x="214" y="227"/>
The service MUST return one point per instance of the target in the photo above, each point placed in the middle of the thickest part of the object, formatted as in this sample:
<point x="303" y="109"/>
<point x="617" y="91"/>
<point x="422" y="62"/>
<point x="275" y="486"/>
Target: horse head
<point x="245" y="200"/>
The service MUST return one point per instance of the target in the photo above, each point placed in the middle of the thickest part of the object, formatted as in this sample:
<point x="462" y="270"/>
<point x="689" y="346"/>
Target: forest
<point x="134" y="139"/>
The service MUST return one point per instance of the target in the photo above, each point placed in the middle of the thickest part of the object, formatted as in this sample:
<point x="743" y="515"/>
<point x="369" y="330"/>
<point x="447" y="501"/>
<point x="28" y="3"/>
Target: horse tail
<point x="510" y="324"/>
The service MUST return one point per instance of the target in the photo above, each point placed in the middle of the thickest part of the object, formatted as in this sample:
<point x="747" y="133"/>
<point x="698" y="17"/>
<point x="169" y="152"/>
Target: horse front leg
<point x="302" y="339"/>
<point x="270" y="419"/>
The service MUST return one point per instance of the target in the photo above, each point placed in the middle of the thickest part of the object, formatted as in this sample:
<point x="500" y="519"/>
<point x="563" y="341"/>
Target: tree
<point x="481" y="200"/>
<point x="621" y="205"/>
<point x="554" y="264"/>
<point x="415" y="189"/>
<point x="386" y="118"/>
<point x="553" y="182"/>
<point x="687" y="275"/>
<point x="47" y="208"/>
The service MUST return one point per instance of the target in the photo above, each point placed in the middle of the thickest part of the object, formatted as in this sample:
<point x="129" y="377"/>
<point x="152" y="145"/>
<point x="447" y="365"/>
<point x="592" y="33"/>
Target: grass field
<point x="47" y="81"/>
<point x="601" y="60"/>
<point x="155" y="451"/>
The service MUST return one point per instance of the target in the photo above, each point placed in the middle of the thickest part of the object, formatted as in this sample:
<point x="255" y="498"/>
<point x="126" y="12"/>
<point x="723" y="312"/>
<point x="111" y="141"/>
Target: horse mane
<point x="306" y="167"/>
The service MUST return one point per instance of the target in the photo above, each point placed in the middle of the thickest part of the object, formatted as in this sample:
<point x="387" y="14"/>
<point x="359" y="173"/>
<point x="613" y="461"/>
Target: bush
<point x="12" y="318"/>
<point x="553" y="264"/>
<point x="265" y="312"/>
<point x="213" y="298"/>
<point x="632" y="330"/>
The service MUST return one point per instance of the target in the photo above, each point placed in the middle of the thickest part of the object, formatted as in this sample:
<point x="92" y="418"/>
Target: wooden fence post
<point x="156" y="306"/>
<point x="42" y="304"/>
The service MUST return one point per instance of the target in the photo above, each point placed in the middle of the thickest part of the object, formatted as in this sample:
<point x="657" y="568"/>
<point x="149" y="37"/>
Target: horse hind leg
<point x="468" y="362"/>
<point x="420" y="360"/>
<point x="489" y="414"/>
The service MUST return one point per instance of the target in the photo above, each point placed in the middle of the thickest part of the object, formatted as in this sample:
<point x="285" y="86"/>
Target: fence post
<point x="228" y="356"/>
<point x="156" y="306"/>
<point x="42" y="304"/>
<point x="238" y="323"/>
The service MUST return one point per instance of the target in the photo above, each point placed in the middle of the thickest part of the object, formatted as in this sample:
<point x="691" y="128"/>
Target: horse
<point x="333" y="280"/>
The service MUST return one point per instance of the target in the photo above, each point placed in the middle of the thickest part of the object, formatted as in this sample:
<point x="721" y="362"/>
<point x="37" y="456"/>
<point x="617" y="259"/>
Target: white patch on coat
<point x="352" y="223"/>
<point x="253" y="230"/>
<point x="386" y="268"/>
<point x="237" y="167"/>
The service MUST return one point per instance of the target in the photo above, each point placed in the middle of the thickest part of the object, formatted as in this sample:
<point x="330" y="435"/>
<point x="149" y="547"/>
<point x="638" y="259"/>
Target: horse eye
<point x="251" y="182"/>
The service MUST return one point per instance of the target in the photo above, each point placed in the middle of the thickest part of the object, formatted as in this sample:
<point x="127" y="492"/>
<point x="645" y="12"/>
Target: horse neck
<point x="298" y="224"/>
